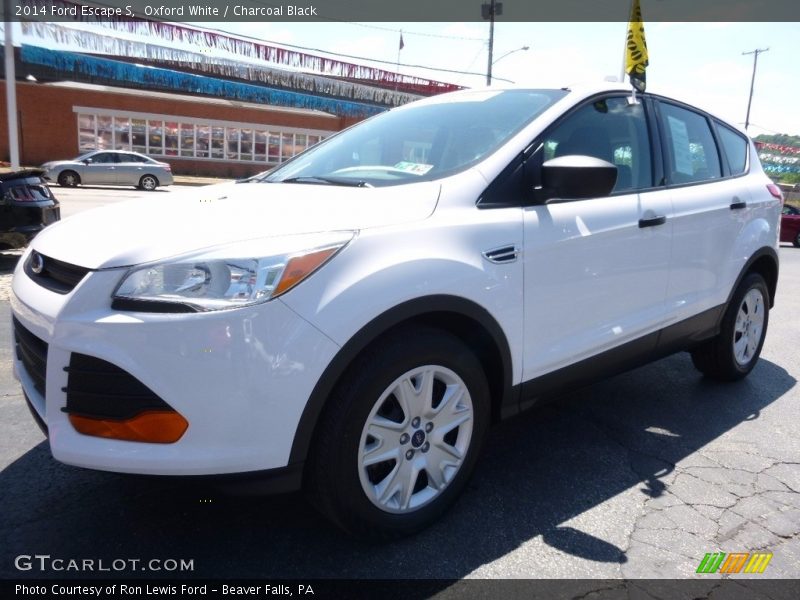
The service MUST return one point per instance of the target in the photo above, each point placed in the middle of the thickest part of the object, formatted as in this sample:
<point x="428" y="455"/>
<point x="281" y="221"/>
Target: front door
<point x="102" y="170"/>
<point x="596" y="270"/>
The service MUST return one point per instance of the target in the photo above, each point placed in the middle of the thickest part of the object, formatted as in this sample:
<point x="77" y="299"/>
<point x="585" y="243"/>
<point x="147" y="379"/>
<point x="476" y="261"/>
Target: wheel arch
<point x="461" y="317"/>
<point x="764" y="262"/>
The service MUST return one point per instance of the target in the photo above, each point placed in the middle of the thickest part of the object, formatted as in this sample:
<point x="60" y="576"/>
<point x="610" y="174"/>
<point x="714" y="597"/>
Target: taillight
<point x="775" y="191"/>
<point x="21" y="193"/>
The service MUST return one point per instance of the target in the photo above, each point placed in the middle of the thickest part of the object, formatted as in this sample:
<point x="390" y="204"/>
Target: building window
<point x="189" y="138"/>
<point x="260" y="146"/>
<point x="122" y="133"/>
<point x="155" y="137"/>
<point x="234" y="134"/>
<point x="246" y="144"/>
<point x="217" y="142"/>
<point x="87" y="134"/>
<point x="139" y="135"/>
<point x="105" y="126"/>
<point x="203" y="140"/>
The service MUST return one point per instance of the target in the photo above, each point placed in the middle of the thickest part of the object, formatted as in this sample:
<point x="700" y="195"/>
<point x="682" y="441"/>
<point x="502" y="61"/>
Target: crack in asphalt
<point x="728" y="494"/>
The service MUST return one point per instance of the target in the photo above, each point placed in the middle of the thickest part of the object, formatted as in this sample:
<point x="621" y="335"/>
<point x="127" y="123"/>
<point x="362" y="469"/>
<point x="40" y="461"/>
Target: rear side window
<point x="691" y="150"/>
<point x="735" y="146"/>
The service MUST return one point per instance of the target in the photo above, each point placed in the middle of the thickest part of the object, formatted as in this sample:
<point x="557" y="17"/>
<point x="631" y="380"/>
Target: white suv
<point x="354" y="320"/>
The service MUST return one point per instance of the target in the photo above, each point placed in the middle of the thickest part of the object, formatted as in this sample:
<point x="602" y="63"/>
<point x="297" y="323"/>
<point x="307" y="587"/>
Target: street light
<point x="524" y="48"/>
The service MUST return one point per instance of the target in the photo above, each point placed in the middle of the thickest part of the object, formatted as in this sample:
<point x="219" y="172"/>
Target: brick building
<point x="205" y="116"/>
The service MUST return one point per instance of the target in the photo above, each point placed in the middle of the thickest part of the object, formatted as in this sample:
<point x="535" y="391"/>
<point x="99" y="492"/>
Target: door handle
<point x="738" y="205"/>
<point x="652" y="221"/>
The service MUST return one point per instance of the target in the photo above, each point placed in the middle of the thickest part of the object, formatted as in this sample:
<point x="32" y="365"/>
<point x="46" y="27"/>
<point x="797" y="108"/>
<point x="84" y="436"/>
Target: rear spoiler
<point x="22" y="174"/>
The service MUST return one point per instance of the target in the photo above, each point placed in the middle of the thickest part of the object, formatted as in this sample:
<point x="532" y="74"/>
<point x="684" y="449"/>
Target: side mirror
<point x="576" y="177"/>
<point x="87" y="161"/>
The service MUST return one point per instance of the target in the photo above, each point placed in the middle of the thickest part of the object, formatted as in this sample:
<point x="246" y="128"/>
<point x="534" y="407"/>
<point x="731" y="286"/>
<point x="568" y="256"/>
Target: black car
<point x="26" y="207"/>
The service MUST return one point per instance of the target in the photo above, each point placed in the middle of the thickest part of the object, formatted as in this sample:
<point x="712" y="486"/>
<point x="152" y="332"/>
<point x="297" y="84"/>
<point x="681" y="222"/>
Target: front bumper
<point x="241" y="377"/>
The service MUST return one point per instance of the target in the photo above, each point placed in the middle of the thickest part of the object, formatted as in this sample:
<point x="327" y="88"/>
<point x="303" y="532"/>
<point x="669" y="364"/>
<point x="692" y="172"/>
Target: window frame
<point x="528" y="157"/>
<point x="718" y="125"/>
<point x="725" y="170"/>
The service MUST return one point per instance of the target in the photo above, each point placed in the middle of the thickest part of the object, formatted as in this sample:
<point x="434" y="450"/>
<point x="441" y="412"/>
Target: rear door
<point x="711" y="208"/>
<point x="131" y="168"/>
<point x="596" y="270"/>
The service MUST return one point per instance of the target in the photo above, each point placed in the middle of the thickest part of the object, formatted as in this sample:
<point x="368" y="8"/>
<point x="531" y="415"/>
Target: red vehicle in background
<point x="790" y="225"/>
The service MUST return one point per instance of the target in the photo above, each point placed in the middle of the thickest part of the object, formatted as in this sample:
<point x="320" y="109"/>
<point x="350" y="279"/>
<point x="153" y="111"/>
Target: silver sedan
<point x="109" y="167"/>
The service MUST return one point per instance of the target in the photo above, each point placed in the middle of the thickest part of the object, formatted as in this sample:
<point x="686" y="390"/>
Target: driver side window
<point x="610" y="129"/>
<point x="103" y="158"/>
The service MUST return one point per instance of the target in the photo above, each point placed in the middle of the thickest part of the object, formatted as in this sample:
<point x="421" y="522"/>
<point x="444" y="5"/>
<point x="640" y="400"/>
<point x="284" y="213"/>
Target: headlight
<point x="228" y="277"/>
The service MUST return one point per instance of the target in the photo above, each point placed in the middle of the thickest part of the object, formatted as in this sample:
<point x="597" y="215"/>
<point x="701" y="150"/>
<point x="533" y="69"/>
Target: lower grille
<point x="101" y="390"/>
<point x="54" y="275"/>
<point x="32" y="353"/>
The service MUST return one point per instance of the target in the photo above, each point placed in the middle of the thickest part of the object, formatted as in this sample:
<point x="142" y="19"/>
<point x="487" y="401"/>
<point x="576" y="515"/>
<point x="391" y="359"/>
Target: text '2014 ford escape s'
<point x="353" y="321"/>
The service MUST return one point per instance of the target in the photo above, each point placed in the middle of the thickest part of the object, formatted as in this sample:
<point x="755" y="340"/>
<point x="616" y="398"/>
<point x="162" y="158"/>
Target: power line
<point x="418" y="33"/>
<point x="351" y="56"/>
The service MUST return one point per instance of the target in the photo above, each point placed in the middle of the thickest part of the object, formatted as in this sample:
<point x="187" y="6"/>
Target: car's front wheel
<point x="148" y="183"/>
<point x="401" y="435"/>
<point x="734" y="352"/>
<point x="68" y="179"/>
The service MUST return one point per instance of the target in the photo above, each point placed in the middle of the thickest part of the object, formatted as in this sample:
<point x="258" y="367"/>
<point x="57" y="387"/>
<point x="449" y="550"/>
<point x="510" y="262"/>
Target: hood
<point x="159" y="227"/>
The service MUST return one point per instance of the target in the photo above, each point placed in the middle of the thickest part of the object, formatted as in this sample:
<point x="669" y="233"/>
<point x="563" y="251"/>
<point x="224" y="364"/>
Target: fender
<point x="409" y="310"/>
<point x="765" y="253"/>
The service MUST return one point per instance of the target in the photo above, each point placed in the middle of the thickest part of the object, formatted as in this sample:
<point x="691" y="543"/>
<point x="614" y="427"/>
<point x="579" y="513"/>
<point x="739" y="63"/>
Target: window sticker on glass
<point x="415" y="168"/>
<point x="680" y="146"/>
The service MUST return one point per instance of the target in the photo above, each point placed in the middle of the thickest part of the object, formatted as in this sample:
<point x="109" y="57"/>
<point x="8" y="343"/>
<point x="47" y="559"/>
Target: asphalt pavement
<point x="638" y="476"/>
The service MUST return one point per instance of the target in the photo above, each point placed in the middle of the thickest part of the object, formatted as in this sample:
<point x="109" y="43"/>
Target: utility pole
<point x="489" y="12"/>
<point x="755" y="54"/>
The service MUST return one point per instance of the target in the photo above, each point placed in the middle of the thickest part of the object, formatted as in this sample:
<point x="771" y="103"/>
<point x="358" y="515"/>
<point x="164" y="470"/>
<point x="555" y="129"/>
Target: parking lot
<point x="637" y="476"/>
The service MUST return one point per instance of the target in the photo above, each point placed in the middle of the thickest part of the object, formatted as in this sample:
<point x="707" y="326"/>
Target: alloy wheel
<point x="415" y="439"/>
<point x="749" y="327"/>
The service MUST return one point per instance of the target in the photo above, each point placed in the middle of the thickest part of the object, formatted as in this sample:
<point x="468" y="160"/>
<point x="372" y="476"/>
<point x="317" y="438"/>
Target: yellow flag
<point x="636" y="59"/>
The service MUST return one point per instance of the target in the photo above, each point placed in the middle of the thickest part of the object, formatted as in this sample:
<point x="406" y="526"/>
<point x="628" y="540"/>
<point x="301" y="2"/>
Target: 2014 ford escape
<point x="354" y="320"/>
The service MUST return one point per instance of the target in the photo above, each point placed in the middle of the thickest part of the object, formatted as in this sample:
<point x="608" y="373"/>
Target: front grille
<point x="98" y="389"/>
<point x="55" y="275"/>
<point x="32" y="352"/>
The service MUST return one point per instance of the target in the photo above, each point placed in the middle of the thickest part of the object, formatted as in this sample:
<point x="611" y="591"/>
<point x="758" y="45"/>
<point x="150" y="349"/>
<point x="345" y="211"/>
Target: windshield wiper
<point x="316" y="179"/>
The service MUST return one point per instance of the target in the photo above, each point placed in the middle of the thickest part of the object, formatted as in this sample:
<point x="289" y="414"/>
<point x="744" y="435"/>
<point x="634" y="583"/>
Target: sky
<point x="699" y="63"/>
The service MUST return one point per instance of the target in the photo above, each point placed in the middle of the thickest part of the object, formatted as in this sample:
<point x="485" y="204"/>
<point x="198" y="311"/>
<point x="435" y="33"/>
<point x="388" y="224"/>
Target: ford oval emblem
<point x="37" y="263"/>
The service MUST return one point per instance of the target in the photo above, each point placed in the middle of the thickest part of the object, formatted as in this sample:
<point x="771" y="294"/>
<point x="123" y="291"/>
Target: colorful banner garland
<point x="173" y="33"/>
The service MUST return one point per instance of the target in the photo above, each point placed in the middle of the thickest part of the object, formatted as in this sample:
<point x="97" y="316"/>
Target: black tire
<point x="796" y="240"/>
<point x="335" y="471"/>
<point x="717" y="358"/>
<point x="68" y="179"/>
<point x="148" y="183"/>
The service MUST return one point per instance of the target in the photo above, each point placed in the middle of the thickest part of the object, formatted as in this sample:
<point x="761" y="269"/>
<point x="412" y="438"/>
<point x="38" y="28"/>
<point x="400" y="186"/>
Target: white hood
<point x="159" y="227"/>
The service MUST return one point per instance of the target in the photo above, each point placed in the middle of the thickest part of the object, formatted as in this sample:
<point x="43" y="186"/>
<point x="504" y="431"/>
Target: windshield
<point x="419" y="142"/>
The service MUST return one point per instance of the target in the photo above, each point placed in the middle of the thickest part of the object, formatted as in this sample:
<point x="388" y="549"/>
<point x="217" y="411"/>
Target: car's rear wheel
<point x="68" y="179"/>
<point x="401" y="435"/>
<point x="148" y="183"/>
<point x="734" y="352"/>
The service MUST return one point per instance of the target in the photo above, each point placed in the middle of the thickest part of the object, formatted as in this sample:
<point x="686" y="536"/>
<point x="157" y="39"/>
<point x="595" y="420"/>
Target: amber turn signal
<point x="300" y="267"/>
<point x="155" y="427"/>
